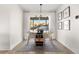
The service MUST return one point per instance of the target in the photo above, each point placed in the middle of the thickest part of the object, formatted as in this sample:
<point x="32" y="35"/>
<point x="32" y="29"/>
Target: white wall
<point x="16" y="26"/>
<point x="70" y="38"/>
<point x="27" y="21"/>
<point x="4" y="28"/>
<point x="10" y="26"/>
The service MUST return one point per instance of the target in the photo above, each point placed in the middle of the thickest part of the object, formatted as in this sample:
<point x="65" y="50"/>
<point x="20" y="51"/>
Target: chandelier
<point x="40" y="17"/>
<point x="40" y="11"/>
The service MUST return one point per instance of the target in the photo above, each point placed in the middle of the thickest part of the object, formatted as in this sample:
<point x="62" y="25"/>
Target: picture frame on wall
<point x="67" y="25"/>
<point x="60" y="25"/>
<point x="60" y="16"/>
<point x="66" y="12"/>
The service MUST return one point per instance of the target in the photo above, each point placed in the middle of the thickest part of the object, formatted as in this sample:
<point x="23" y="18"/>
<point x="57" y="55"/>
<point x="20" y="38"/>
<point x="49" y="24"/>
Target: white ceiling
<point x="36" y="7"/>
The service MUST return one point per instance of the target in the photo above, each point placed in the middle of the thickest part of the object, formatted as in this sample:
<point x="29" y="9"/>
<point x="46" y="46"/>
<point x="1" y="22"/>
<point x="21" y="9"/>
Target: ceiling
<point x="36" y="7"/>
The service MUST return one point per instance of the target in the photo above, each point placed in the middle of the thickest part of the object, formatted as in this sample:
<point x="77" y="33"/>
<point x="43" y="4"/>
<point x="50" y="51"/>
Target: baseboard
<point x="4" y="49"/>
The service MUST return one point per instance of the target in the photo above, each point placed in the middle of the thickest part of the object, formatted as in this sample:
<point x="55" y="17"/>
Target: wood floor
<point x="50" y="47"/>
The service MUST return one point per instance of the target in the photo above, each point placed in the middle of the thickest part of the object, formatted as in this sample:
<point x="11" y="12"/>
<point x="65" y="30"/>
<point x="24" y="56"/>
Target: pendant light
<point x="40" y="13"/>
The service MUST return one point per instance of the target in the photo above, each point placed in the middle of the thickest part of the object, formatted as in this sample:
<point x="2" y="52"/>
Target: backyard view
<point x="39" y="24"/>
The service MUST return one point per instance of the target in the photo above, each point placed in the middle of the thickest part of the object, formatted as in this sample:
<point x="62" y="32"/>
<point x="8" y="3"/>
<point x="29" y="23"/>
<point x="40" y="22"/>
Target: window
<point x="35" y="24"/>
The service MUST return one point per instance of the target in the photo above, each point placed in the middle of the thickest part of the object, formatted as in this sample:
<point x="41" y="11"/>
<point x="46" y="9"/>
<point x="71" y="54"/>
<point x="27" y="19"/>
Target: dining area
<point x="40" y="43"/>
